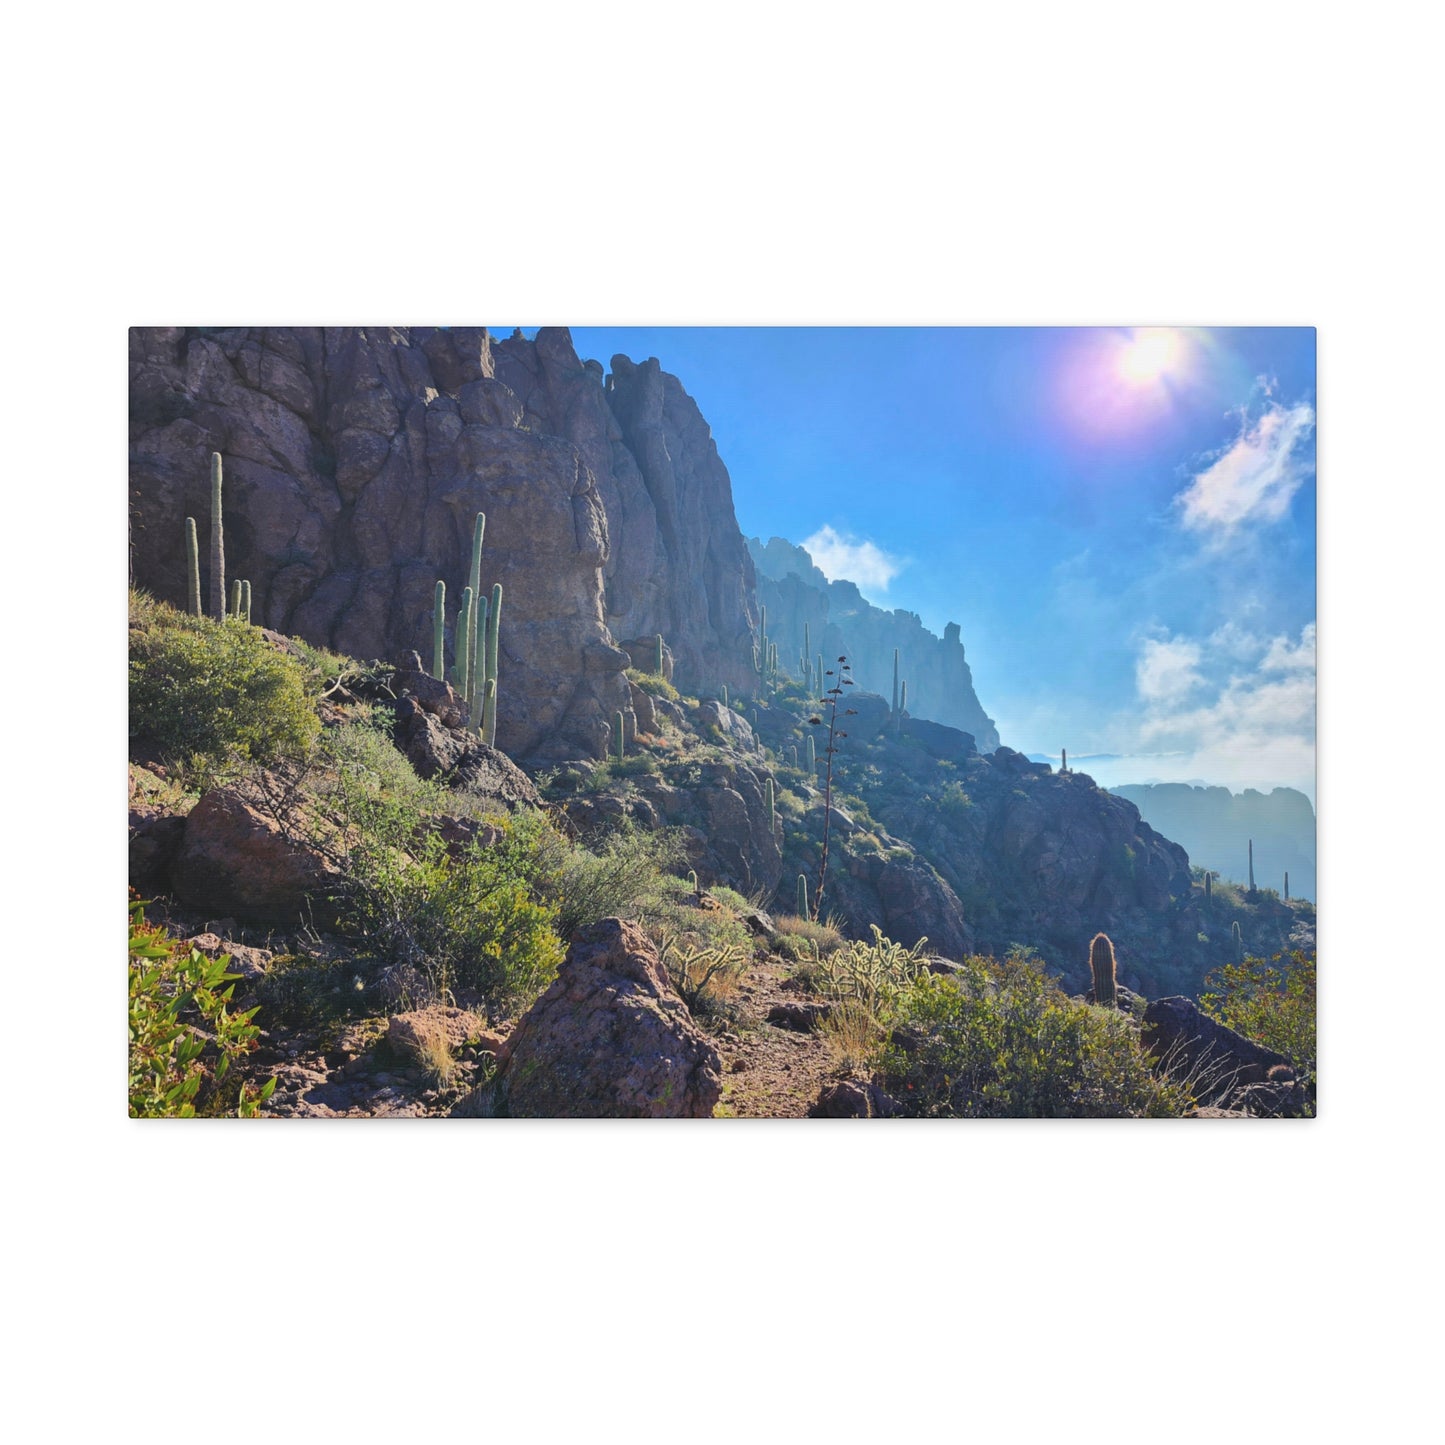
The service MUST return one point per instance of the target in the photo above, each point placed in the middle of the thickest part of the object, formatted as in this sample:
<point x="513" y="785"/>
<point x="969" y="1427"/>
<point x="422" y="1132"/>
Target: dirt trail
<point x="769" y="1072"/>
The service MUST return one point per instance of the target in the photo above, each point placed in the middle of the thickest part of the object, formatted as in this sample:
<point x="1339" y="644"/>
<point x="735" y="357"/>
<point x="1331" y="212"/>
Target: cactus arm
<point x="193" y="569"/>
<point x="218" y="544"/>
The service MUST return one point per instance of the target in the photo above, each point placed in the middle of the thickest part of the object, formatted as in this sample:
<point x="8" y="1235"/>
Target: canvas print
<point x="721" y="723"/>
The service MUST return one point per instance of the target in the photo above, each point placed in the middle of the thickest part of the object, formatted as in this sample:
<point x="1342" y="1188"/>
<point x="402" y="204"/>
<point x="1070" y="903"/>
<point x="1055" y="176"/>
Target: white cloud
<point x="1256" y="476"/>
<point x="1223" y="721"/>
<point x="847" y="558"/>
<point x="1167" y="671"/>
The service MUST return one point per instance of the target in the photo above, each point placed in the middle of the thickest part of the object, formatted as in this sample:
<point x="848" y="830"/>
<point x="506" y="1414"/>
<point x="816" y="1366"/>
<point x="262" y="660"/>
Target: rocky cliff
<point x="356" y="457"/>
<point x="1216" y="826"/>
<point x="940" y="682"/>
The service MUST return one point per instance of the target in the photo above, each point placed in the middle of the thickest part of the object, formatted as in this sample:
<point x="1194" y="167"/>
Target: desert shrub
<point x="1002" y="1040"/>
<point x="304" y="991"/>
<point x="1271" y="1002"/>
<point x="633" y="765"/>
<point x="184" y="1038"/>
<point x="478" y="921"/>
<point x="214" y="691"/>
<point x="623" y="874"/>
<point x="954" y="803"/>
<point x="653" y="683"/>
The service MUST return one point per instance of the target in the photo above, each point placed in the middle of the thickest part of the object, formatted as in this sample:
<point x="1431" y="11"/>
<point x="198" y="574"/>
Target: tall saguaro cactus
<point x="772" y="806"/>
<point x="235" y="597"/>
<point x="1238" y="940"/>
<point x="1104" y="969"/>
<point x="802" y="895"/>
<point x="193" y="569"/>
<point x="460" y="670"/>
<point x="1286" y="885"/>
<point x="1251" y="865"/>
<point x="489" y="713"/>
<point x="439" y="632"/>
<point x="246" y="601"/>
<point x="218" y="544"/>
<point x="657" y="656"/>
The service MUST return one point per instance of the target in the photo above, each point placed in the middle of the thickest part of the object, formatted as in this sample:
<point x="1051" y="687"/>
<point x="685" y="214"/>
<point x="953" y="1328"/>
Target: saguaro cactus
<point x="1251" y="865"/>
<point x="1102" y="965"/>
<point x="812" y="755"/>
<point x="1286" y="885"/>
<point x="1208" y="886"/>
<point x="725" y="695"/>
<point x="462" y="668"/>
<point x="235" y="608"/>
<point x="246" y="601"/>
<point x="803" y="895"/>
<point x="902" y="704"/>
<point x="772" y="806"/>
<point x="692" y="878"/>
<point x="193" y="569"/>
<point x="1238" y="940"/>
<point x="489" y="713"/>
<point x="1064" y="761"/>
<point x="439" y="631"/>
<point x="218" y="544"/>
<point x="657" y="655"/>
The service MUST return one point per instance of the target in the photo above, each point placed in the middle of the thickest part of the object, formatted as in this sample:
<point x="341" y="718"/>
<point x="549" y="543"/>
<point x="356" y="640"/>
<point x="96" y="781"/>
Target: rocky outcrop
<point x="608" y="1039"/>
<point x="843" y="622"/>
<point x="356" y="458"/>
<point x="460" y="759"/>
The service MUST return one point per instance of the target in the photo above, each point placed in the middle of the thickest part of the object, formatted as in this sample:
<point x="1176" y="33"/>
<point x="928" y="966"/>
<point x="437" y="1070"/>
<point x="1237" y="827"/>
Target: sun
<point x="1148" y="355"/>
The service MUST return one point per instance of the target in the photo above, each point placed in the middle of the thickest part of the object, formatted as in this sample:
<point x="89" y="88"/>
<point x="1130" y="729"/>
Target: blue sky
<point x="1121" y="520"/>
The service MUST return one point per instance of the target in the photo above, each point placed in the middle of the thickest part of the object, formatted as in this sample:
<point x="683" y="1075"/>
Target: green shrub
<point x="476" y="921"/>
<point x="625" y="875"/>
<point x="954" y="803"/>
<point x="214" y="691"/>
<point x="1002" y="1040"/>
<point x="1271" y="1002"/>
<point x="632" y="766"/>
<point x="184" y="1038"/>
<point x="651" y="682"/>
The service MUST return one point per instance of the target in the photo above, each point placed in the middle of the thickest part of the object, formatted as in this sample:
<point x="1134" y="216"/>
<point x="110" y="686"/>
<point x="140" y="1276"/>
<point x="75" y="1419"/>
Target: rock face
<point x="356" y="458"/>
<point x="842" y="622"/>
<point x="609" y="1039"/>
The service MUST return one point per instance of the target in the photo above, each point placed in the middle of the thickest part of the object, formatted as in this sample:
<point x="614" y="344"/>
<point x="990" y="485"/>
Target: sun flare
<point x="1149" y="355"/>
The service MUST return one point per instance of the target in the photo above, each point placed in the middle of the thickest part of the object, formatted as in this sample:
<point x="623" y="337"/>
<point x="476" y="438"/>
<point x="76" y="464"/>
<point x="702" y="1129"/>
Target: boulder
<point x="235" y="859"/>
<point x="1178" y="1031"/>
<point x="609" y="1039"/>
<point x="800" y="1016"/>
<point x="251" y="963"/>
<point x="850" y="1099"/>
<point x="155" y="839"/>
<point x="460" y="758"/>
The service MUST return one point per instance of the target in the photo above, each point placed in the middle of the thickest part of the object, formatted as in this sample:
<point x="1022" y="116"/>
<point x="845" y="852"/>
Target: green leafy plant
<point x="1270" y="1001"/>
<point x="215" y="691"/>
<point x="652" y="683"/>
<point x="185" y="1039"/>
<point x="1002" y="1040"/>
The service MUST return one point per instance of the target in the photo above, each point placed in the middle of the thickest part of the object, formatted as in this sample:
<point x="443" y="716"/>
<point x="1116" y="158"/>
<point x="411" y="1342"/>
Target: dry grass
<point x="828" y="938"/>
<point x="853" y="1037"/>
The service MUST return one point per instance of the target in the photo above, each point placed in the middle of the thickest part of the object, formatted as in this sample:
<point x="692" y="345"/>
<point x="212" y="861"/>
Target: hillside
<point x="1217" y="826"/>
<point x="574" y="888"/>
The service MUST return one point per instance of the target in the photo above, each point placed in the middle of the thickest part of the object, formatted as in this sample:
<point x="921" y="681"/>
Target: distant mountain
<point x="1215" y="827"/>
<point x="843" y="622"/>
